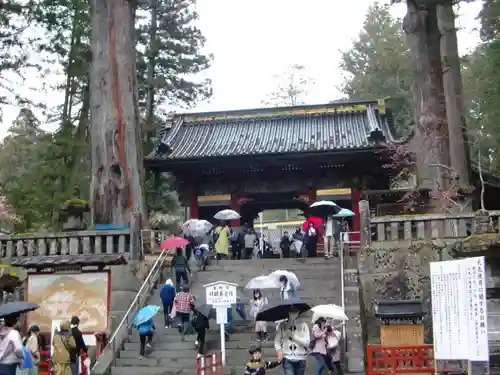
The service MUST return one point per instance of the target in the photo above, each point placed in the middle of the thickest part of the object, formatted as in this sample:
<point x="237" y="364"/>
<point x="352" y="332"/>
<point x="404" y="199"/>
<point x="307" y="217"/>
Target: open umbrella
<point x="329" y="312"/>
<point x="196" y="227"/>
<point x="281" y="309"/>
<point x="344" y="212"/>
<point x="173" y="242"/>
<point x="227" y="215"/>
<point x="206" y="310"/>
<point x="292" y="279"/>
<point x="146" y="313"/>
<point x="12" y="308"/>
<point x="324" y="209"/>
<point x="316" y="222"/>
<point x="263" y="282"/>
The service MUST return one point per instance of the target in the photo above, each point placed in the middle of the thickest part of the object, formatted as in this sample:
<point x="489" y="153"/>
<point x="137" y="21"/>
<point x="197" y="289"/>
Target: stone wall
<point x="394" y="271"/>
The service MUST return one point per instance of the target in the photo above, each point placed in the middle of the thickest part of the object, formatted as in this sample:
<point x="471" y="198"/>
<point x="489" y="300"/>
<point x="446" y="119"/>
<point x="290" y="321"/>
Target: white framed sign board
<point x="221" y="295"/>
<point x="459" y="315"/>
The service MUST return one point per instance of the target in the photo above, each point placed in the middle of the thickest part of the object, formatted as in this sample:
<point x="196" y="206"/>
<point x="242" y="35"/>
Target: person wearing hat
<point x="256" y="365"/>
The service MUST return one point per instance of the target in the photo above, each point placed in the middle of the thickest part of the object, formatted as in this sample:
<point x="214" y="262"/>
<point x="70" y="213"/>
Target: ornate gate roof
<point x="301" y="129"/>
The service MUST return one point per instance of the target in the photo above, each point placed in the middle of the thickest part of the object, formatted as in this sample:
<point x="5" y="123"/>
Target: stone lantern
<point x="72" y="213"/>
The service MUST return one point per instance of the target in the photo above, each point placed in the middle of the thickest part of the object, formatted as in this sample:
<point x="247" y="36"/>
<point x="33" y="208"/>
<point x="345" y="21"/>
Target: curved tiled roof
<point x="276" y="131"/>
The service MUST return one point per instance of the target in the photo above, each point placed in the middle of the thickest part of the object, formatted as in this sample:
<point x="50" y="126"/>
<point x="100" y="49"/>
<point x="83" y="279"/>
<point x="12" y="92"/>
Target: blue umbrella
<point x="13" y="308"/>
<point x="146" y="313"/>
<point x="345" y="213"/>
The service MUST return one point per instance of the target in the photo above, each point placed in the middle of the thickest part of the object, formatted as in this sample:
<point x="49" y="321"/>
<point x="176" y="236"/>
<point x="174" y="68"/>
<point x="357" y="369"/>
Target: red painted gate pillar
<point x="355" y="197"/>
<point x="236" y="206"/>
<point x="193" y="208"/>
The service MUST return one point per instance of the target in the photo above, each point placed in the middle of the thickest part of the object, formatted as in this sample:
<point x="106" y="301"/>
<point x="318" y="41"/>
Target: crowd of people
<point x="226" y="242"/>
<point x="22" y="356"/>
<point x="294" y="339"/>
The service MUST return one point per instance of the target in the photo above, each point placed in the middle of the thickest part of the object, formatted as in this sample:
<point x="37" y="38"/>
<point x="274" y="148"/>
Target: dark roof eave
<point x="51" y="261"/>
<point x="155" y="161"/>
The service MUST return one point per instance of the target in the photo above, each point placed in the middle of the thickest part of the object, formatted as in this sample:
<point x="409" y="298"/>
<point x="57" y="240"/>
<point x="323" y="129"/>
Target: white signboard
<point x="458" y="293"/>
<point x="221" y="294"/>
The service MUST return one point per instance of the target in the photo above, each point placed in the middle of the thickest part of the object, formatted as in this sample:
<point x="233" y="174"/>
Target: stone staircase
<point x="320" y="283"/>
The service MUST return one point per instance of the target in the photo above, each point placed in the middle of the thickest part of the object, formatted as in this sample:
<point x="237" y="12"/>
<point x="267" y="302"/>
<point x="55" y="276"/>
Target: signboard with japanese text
<point x="458" y="293"/>
<point x="221" y="293"/>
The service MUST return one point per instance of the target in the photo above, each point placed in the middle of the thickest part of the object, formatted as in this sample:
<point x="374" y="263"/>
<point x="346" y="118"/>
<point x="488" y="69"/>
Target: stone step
<point x="157" y="370"/>
<point x="150" y="361"/>
<point x="236" y="341"/>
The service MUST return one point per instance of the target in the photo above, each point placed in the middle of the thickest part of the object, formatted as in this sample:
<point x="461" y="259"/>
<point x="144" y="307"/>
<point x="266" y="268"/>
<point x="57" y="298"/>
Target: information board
<point x="458" y="293"/>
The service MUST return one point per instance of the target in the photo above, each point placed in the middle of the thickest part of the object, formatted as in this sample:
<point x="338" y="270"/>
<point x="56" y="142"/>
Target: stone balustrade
<point x="66" y="243"/>
<point x="427" y="226"/>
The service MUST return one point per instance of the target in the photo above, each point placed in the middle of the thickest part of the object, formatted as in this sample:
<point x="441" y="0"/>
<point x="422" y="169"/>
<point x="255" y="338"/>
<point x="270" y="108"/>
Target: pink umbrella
<point x="173" y="242"/>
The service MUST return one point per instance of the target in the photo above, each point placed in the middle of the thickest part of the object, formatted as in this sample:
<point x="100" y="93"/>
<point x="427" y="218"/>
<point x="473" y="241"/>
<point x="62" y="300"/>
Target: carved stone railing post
<point x="483" y="222"/>
<point x="365" y="225"/>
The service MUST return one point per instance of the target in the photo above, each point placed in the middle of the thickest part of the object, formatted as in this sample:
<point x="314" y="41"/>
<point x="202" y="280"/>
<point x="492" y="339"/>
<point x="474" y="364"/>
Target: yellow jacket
<point x="62" y="344"/>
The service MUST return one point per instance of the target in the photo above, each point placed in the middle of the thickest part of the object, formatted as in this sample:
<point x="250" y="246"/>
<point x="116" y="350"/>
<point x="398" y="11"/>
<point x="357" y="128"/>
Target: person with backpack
<point x="32" y="346"/>
<point x="146" y="330"/>
<point x="180" y="264"/>
<point x="318" y="345"/>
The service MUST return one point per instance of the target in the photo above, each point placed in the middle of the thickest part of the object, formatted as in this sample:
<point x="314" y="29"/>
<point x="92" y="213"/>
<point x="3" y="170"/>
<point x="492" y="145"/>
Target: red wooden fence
<point x="400" y="359"/>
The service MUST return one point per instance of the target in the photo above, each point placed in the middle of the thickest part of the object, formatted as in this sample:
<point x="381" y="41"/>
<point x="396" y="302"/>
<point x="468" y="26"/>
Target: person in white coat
<point x="256" y="304"/>
<point x="291" y="343"/>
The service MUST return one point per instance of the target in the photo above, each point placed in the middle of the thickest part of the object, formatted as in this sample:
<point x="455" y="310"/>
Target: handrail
<point x="108" y="355"/>
<point x="342" y="281"/>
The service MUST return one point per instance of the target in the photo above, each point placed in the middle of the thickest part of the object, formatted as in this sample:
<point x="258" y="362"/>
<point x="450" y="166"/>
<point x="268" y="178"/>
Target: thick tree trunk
<point x="453" y="90"/>
<point x="150" y="103"/>
<point x="421" y="26"/>
<point x="116" y="155"/>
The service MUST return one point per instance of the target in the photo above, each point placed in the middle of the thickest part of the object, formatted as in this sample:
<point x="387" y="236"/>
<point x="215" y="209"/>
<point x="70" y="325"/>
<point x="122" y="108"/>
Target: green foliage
<point x="482" y="87"/>
<point x="39" y="171"/>
<point x="379" y="65"/>
<point x="173" y="47"/>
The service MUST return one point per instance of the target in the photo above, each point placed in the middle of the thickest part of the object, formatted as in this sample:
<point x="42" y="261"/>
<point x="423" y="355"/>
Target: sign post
<point x="459" y="316"/>
<point x="221" y="295"/>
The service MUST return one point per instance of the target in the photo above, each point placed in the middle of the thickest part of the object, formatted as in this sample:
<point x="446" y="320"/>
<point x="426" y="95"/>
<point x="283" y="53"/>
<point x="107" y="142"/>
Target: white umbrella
<point x="329" y="312"/>
<point x="289" y="275"/>
<point x="196" y="228"/>
<point x="227" y="215"/>
<point x="263" y="282"/>
<point x="324" y="208"/>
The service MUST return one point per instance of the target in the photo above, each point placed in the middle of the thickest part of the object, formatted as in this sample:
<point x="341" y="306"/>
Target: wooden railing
<point x="66" y="243"/>
<point x="427" y="226"/>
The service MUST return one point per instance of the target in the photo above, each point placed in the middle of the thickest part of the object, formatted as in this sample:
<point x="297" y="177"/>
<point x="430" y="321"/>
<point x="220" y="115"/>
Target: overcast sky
<point x="254" y="40"/>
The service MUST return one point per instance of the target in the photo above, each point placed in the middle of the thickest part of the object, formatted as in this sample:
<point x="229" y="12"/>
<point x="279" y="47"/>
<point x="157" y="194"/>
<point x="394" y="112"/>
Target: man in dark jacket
<point x="201" y="326"/>
<point x="285" y="245"/>
<point x="80" y="345"/>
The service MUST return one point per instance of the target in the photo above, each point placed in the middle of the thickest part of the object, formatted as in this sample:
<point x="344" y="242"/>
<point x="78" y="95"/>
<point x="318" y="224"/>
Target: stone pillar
<point x="193" y="208"/>
<point x="124" y="288"/>
<point x="364" y="224"/>
<point x="236" y="206"/>
<point x="355" y="197"/>
<point x="355" y="349"/>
